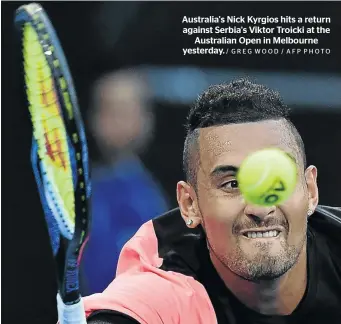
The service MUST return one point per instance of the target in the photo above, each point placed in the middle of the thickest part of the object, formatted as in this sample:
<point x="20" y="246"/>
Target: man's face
<point x="119" y="115"/>
<point x="225" y="215"/>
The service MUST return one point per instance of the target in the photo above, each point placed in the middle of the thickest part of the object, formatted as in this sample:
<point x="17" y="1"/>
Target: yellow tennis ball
<point x="267" y="177"/>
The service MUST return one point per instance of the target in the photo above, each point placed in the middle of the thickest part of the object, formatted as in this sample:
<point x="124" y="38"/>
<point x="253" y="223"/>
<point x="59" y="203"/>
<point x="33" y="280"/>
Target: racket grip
<point x="70" y="314"/>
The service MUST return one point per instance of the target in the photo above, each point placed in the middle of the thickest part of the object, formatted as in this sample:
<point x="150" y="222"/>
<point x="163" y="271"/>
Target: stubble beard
<point x="261" y="265"/>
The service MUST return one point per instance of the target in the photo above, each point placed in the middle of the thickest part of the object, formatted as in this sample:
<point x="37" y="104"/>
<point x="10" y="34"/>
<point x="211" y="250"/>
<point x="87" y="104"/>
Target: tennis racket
<point x="59" y="149"/>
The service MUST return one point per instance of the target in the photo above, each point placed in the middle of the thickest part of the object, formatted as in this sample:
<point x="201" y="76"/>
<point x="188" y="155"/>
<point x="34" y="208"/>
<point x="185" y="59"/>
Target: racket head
<point x="59" y="151"/>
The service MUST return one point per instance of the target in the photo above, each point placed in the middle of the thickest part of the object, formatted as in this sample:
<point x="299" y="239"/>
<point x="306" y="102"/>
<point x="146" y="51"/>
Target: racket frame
<point x="35" y="15"/>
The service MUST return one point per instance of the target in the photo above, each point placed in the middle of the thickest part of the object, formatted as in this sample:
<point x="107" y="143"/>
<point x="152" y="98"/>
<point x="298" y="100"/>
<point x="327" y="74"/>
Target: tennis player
<point x="201" y="263"/>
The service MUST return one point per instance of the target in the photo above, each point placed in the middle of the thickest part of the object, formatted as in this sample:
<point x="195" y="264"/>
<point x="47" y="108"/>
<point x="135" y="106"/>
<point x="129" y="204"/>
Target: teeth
<point x="262" y="234"/>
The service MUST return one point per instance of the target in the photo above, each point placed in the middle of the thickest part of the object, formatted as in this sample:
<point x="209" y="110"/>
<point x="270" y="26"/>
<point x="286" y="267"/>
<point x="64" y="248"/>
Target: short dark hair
<point x="237" y="102"/>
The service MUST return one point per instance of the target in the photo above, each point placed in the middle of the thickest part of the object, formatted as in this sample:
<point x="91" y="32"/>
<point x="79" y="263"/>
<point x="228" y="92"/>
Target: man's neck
<point x="271" y="297"/>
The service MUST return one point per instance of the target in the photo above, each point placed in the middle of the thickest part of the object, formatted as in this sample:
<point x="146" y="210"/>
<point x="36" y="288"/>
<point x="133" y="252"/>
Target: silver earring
<point x="310" y="212"/>
<point x="189" y="222"/>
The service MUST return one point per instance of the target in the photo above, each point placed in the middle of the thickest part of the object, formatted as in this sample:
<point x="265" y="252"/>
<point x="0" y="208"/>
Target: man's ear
<point x="188" y="204"/>
<point x="313" y="193"/>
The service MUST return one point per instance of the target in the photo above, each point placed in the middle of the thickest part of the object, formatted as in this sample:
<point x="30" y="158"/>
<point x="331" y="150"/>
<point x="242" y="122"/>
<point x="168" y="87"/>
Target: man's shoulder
<point x="331" y="211"/>
<point x="326" y="222"/>
<point x="148" y="295"/>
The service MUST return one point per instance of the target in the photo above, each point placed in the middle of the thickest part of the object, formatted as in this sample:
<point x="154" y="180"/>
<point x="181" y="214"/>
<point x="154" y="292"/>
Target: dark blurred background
<point x="100" y="37"/>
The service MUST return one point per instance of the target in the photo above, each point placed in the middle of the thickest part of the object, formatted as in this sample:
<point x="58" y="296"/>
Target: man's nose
<point x="259" y="213"/>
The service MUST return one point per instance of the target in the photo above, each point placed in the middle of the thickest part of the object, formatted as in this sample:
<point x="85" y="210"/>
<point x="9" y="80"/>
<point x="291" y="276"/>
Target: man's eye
<point x="230" y="184"/>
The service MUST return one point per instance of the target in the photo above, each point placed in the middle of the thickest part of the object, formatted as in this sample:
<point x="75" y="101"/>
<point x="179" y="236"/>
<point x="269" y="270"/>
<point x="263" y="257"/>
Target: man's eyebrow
<point x="222" y="169"/>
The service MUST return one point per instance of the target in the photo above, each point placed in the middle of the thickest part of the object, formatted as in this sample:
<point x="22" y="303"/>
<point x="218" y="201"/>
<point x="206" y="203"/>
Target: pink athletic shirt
<point x="151" y="295"/>
<point x="165" y="276"/>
